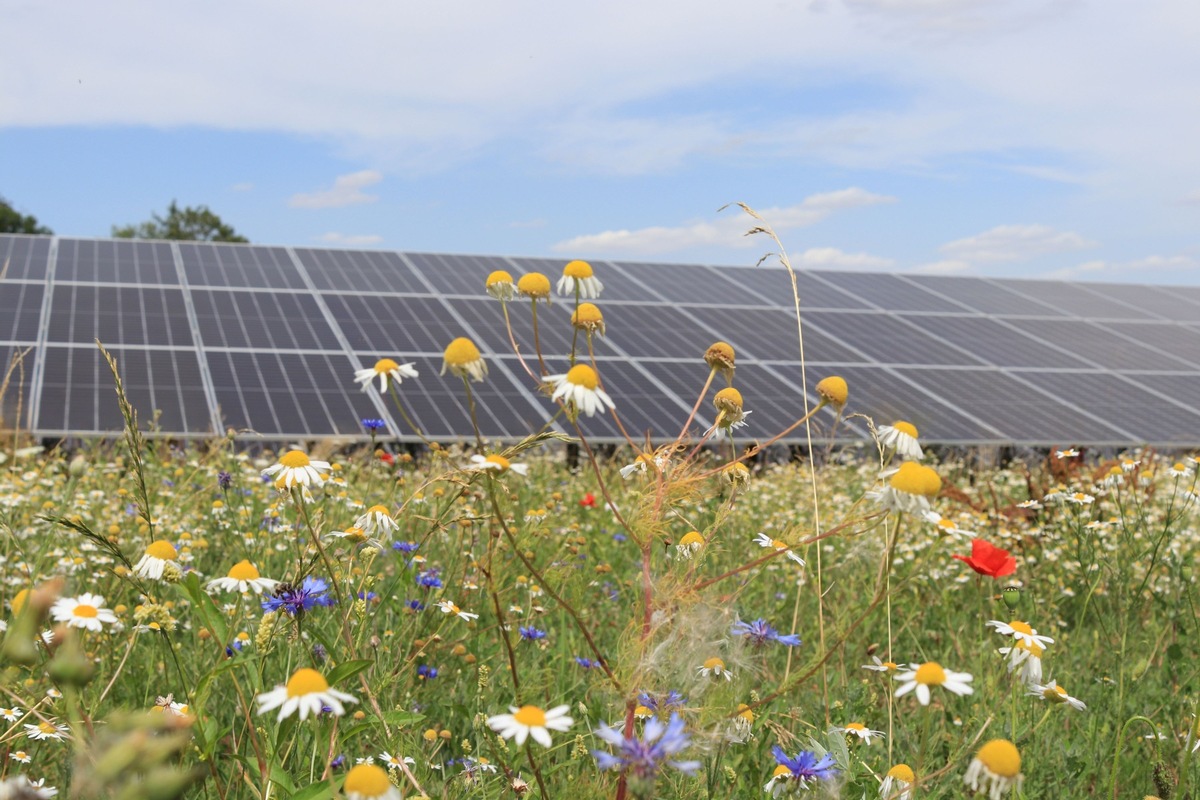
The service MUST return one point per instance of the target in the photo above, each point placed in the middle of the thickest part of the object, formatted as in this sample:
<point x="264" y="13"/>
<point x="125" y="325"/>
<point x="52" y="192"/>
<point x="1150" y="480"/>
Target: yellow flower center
<point x="534" y="284"/>
<point x="892" y="666"/>
<point x="355" y="534"/>
<point x="931" y="674"/>
<point x="578" y="269"/>
<point x="855" y="726"/>
<point x="461" y="351"/>
<point x="46" y="727"/>
<point x="379" y="509"/>
<point x="720" y="355"/>
<point x="728" y="400"/>
<point x="1021" y="627"/>
<point x="294" y="459"/>
<point x="1055" y="694"/>
<point x="531" y="716"/>
<point x="163" y="550"/>
<point x="690" y="538"/>
<point x="713" y="663"/>
<point x="368" y="780"/>
<point x="84" y="610"/>
<point x="499" y="461"/>
<point x="430" y="735"/>
<point x="583" y="375"/>
<point x="586" y="314"/>
<point x="499" y="276"/>
<point x="947" y="524"/>
<point x="306" y="681"/>
<point x="745" y="713"/>
<point x="642" y="711"/>
<point x="902" y="772"/>
<point x="218" y="504"/>
<point x="1000" y="756"/>
<point x="782" y="769"/>
<point x="1034" y="649"/>
<point x="385" y="365"/>
<point x="918" y="479"/>
<point x="18" y="601"/>
<point x="834" y="390"/>
<point x="906" y="427"/>
<point x="243" y="571"/>
<point x="1179" y="467"/>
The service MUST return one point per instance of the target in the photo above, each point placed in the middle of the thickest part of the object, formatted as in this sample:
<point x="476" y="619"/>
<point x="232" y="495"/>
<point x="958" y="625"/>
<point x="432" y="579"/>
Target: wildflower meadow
<point x="680" y="618"/>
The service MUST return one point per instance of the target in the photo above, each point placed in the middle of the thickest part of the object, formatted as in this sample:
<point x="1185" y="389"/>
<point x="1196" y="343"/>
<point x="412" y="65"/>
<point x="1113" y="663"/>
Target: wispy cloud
<point x="349" y="240"/>
<point x="722" y="231"/>
<point x="1014" y="243"/>
<point x="1138" y="268"/>
<point x="949" y="266"/>
<point x="244" y="186"/>
<point x="347" y="190"/>
<point x="833" y="258"/>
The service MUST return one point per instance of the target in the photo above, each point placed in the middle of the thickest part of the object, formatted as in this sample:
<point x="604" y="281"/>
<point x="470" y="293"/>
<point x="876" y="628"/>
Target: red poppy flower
<point x="987" y="559"/>
<point x="588" y="501"/>
<point x="387" y="458"/>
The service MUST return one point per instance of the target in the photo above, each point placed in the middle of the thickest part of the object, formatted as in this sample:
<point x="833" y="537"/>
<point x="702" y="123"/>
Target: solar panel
<point x="988" y="297"/>
<point x="486" y="318"/>
<point x="78" y="394"/>
<point x="118" y="315"/>
<point x="275" y="320"/>
<point x="1098" y="345"/>
<point x="996" y="342"/>
<point x="115" y="261"/>
<point x="359" y="271"/>
<point x="889" y="291"/>
<point x="20" y="311"/>
<point x="464" y="275"/>
<point x="1162" y="302"/>
<point x="1180" y="341"/>
<point x="775" y="286"/>
<point x="398" y="325"/>
<point x="684" y="283"/>
<point x="771" y="334"/>
<point x="887" y="339"/>
<point x="239" y="266"/>
<point x="16" y="376"/>
<point x="24" y="258"/>
<point x="1075" y="299"/>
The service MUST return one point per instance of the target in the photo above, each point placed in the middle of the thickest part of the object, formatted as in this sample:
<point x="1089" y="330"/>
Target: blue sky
<point x="1047" y="138"/>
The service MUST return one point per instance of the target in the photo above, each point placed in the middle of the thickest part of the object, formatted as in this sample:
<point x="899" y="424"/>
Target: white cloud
<point x="353" y="240"/>
<point x="727" y="230"/>
<point x="244" y="186"/>
<point x="1191" y="198"/>
<point x="1014" y="243"/>
<point x="833" y="258"/>
<point x="948" y="266"/>
<point x="1139" y="268"/>
<point x="347" y="190"/>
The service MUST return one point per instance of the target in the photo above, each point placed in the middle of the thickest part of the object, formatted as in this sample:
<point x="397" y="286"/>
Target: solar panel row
<point x="266" y="339"/>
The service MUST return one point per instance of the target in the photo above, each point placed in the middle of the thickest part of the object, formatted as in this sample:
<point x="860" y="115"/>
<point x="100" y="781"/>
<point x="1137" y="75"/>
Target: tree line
<point x="190" y="224"/>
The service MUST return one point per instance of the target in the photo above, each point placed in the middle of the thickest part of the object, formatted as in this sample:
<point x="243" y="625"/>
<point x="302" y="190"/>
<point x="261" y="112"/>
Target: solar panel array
<point x="265" y="340"/>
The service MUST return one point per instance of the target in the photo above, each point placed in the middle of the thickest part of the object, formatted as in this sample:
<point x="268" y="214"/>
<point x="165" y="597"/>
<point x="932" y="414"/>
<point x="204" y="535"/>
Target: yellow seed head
<point x="535" y="285"/>
<point x="578" y="270"/>
<point x="1001" y="758"/>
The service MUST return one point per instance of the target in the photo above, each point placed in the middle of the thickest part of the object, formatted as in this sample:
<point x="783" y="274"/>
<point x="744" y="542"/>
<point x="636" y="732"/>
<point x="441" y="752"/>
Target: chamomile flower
<point x="243" y="577"/>
<point x="762" y="540"/>
<point x="11" y="714"/>
<point x="587" y="317"/>
<point x="463" y="359"/>
<point x="500" y="285"/>
<point x="642" y="463"/>
<point x="47" y="730"/>
<point x="929" y="674"/>
<point x="20" y="756"/>
<point x="85" y="611"/>
<point x="881" y="666"/>
<point x="737" y="474"/>
<point x="297" y="469"/>
<point x="377" y="520"/>
<point x="388" y="371"/>
<point x="21" y="787"/>
<point x="307" y="692"/>
<point x="369" y="782"/>
<point x="715" y="666"/>
<point x="902" y="437"/>
<point x="1026" y="656"/>
<point x="945" y="524"/>
<point x="447" y="607"/>
<point x="580" y="387"/>
<point x="897" y="784"/>
<point x="995" y="769"/>
<point x="1054" y="693"/>
<point x="535" y="286"/>
<point x="1021" y="631"/>
<point x="721" y="357"/>
<point x="160" y="556"/>
<point x="691" y="544"/>
<point x="356" y="536"/>
<point x="1070" y="452"/>
<point x="578" y="277"/>
<point x="834" y="391"/>
<point x="864" y="733"/>
<point x="532" y="721"/>
<point x="395" y="762"/>
<point x="728" y="403"/>
<point x="498" y="464"/>
<point x="1180" y="470"/>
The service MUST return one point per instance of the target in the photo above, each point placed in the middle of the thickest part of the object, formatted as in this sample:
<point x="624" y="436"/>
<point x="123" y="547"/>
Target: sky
<point x="1004" y="138"/>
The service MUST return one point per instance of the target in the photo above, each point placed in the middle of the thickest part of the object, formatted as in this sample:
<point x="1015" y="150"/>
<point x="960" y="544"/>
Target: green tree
<point x="13" y="221"/>
<point x="197" y="224"/>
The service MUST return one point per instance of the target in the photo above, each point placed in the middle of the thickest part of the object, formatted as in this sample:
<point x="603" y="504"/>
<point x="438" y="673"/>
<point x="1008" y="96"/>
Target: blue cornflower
<point x="425" y="672"/>
<point x="429" y="579"/>
<point x="531" y="634"/>
<point x="295" y="600"/>
<point x="673" y="699"/>
<point x="372" y="425"/>
<point x="319" y="653"/>
<point x="368" y="596"/>
<point x="405" y="547"/>
<point x="645" y="757"/>
<point x="415" y="605"/>
<point x="760" y="632"/>
<point x="586" y="663"/>
<point x="338" y="762"/>
<point x="224" y="480"/>
<point x="620" y="537"/>
<point x="804" y="768"/>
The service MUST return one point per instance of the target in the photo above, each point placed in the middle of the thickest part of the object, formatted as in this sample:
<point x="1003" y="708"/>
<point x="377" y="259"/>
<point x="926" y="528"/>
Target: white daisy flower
<point x="306" y="691"/>
<point x="995" y="769"/>
<point x="448" y="607"/>
<point x="369" y="782"/>
<point x="881" y="666"/>
<point x="1056" y="694"/>
<point x="580" y="387"/>
<point x="945" y="524"/>
<point x="20" y="756"/>
<point x="861" y="731"/>
<point x="296" y="468"/>
<point x="691" y="543"/>
<point x="463" y="359"/>
<point x="929" y="674"/>
<point x="532" y="721"/>
<point x="155" y="560"/>
<point x="387" y="370"/>
<point x="395" y="762"/>
<point x="46" y="730"/>
<point x="1026" y="656"/>
<point x="1068" y="453"/>
<point x="578" y="276"/>
<point x="715" y="666"/>
<point x="242" y="577"/>
<point x="902" y="437"/>
<point x="909" y="487"/>
<point x="1021" y="631"/>
<point x="762" y="540"/>
<point x="377" y="520"/>
<point x="85" y="611"/>
<point x="498" y="464"/>
<point x="897" y="784"/>
<point x="11" y="714"/>
<point x="642" y="463"/>
<point x="500" y="285"/>
<point x="728" y="403"/>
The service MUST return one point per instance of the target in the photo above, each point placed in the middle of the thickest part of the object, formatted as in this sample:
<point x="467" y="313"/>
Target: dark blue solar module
<point x="774" y="285"/>
<point x="1163" y="302"/>
<point x="115" y="261"/>
<point x="20" y="311"/>
<point x="684" y="283"/>
<point x="16" y="371"/>
<point x="239" y="266"/>
<point x="465" y="275"/>
<point x="359" y="271"/>
<point x="890" y="292"/>
<point x="118" y="315"/>
<point x="1180" y="341"/>
<point x="399" y="325"/>
<point x="1097" y="344"/>
<point x="996" y="342"/>
<point x="986" y="296"/>
<point x="24" y="258"/>
<point x="1076" y="299"/>
<point x="266" y="320"/>
<point x="888" y="339"/>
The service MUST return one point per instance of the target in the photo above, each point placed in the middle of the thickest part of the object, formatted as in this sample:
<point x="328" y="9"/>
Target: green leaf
<point x="395" y="719"/>
<point x="347" y="669"/>
<point x="314" y="791"/>
<point x="214" y="620"/>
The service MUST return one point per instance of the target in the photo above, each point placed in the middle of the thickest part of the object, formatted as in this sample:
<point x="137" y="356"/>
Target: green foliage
<point x="13" y="221"/>
<point x="191" y="224"/>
